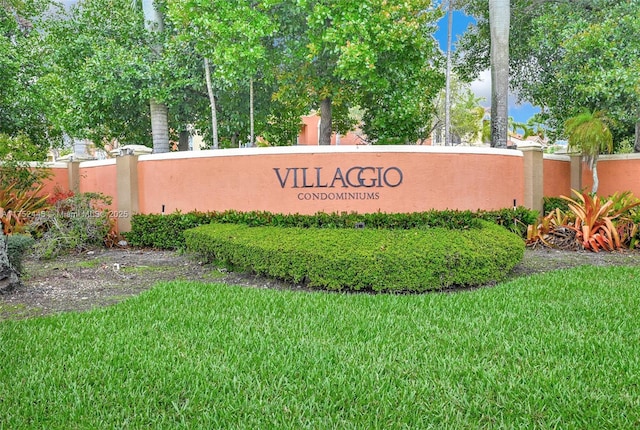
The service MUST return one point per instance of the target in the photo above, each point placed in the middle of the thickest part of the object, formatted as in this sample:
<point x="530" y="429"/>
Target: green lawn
<point x="559" y="350"/>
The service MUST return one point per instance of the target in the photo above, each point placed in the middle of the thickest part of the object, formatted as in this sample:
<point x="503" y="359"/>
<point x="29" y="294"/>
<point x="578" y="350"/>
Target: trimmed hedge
<point x="551" y="203"/>
<point x="165" y="231"/>
<point x="515" y="220"/>
<point x="363" y="259"/>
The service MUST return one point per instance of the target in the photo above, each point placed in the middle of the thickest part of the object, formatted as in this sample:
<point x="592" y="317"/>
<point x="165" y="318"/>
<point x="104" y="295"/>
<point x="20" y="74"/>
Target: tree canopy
<point x="23" y="98"/>
<point x="88" y="71"/>
<point x="566" y="56"/>
<point x="466" y="114"/>
<point x="103" y="72"/>
<point x="379" y="56"/>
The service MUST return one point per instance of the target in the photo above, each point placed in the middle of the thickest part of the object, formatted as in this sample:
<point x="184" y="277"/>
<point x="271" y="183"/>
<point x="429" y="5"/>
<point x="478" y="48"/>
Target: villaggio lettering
<point x="353" y="177"/>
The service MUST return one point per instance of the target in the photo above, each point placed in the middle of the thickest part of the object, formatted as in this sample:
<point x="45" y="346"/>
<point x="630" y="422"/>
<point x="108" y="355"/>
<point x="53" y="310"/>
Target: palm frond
<point x="589" y="133"/>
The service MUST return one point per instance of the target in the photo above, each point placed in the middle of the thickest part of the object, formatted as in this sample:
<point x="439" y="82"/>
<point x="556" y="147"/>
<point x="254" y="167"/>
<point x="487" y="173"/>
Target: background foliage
<point x="566" y="56"/>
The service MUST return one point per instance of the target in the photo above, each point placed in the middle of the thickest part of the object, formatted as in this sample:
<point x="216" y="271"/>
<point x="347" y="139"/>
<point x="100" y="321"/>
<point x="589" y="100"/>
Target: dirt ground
<point x="102" y="277"/>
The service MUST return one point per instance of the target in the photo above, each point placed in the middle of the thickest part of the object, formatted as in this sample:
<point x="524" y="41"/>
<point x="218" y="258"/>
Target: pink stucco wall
<point x="309" y="134"/>
<point x="58" y="179"/>
<point x="615" y="174"/>
<point x="309" y="180"/>
<point x="100" y="176"/>
<point x="557" y="176"/>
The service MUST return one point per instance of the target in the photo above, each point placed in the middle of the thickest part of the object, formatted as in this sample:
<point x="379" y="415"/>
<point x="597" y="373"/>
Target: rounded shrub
<point x="363" y="259"/>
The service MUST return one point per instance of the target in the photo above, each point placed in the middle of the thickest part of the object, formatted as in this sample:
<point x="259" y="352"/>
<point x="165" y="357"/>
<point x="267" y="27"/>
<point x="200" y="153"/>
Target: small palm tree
<point x="514" y="126"/>
<point x="536" y="128"/>
<point x="589" y="133"/>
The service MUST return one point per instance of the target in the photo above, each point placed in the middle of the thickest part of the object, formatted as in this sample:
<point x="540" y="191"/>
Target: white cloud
<point x="481" y="87"/>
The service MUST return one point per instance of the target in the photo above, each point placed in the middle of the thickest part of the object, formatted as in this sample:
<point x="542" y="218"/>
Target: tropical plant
<point x="589" y="133"/>
<point x="627" y="224"/>
<point x="535" y="127"/>
<point x="588" y="222"/>
<point x="515" y="126"/>
<point x="18" y="206"/>
<point x="20" y="184"/>
<point x="551" y="231"/>
<point x="602" y="224"/>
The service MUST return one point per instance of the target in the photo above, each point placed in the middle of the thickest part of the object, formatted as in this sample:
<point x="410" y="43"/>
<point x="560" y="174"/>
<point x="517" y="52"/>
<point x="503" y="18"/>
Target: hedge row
<point x="368" y="259"/>
<point x="165" y="231"/>
<point x="551" y="203"/>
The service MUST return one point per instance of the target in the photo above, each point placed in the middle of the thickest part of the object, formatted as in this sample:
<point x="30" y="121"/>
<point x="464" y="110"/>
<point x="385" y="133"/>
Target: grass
<point x="558" y="350"/>
<point x="15" y="311"/>
<point x="144" y="269"/>
<point x="89" y="264"/>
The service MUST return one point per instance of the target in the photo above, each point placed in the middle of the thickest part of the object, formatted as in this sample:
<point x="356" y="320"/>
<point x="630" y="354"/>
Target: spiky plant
<point x="589" y="133"/>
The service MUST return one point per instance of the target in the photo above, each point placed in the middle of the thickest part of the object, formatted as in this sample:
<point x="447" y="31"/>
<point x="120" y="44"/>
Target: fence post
<point x="126" y="190"/>
<point x="73" y="172"/>
<point x="576" y="172"/>
<point x="533" y="176"/>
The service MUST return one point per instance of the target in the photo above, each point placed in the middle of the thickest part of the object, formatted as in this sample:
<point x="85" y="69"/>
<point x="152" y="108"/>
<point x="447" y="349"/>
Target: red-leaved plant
<point x="600" y="224"/>
<point x="18" y="206"/>
<point x="58" y="195"/>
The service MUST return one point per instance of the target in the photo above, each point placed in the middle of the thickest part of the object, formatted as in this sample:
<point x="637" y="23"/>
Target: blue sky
<point x="482" y="86"/>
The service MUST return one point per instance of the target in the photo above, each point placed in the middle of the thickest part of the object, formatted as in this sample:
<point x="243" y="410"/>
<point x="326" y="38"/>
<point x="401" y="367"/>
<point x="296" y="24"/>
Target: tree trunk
<point x="183" y="141"/>
<point x="636" y="146"/>
<point x="159" y="112"/>
<point x="8" y="275"/>
<point x="325" y="122"/>
<point x="152" y="17"/>
<point x="447" y="99"/>
<point x="251" y="115"/>
<point x="212" y="103"/>
<point x="596" y="182"/>
<point x="499" y="24"/>
<point x="159" y="127"/>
